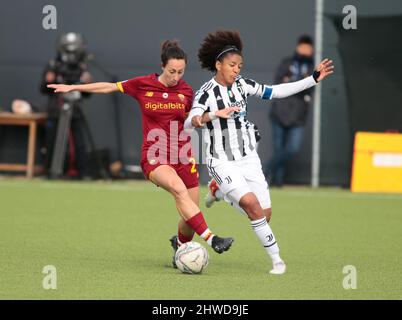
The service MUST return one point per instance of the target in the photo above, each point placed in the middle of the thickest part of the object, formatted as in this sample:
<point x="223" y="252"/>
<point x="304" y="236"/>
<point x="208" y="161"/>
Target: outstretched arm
<point x="324" y="69"/>
<point x="97" y="87"/>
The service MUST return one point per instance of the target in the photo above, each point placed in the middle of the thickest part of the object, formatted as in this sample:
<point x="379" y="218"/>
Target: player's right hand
<point x="60" y="87"/>
<point x="196" y="121"/>
<point x="225" y="113"/>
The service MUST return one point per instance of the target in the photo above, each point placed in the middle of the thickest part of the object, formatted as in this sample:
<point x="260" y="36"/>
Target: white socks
<point x="207" y="235"/>
<point x="260" y="227"/>
<point x="267" y="238"/>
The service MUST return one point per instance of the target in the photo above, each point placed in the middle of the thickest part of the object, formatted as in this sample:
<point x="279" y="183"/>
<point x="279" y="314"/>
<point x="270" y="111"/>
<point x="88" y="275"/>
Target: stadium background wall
<point x="125" y="39"/>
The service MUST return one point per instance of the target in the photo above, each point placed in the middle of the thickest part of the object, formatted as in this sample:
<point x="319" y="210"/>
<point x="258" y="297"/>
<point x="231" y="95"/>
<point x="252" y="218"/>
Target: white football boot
<point x="210" y="198"/>
<point x="278" y="268"/>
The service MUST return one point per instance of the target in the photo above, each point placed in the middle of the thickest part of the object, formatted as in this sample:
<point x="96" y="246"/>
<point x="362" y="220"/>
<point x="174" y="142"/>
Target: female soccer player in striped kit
<point x="164" y="101"/>
<point x="232" y="158"/>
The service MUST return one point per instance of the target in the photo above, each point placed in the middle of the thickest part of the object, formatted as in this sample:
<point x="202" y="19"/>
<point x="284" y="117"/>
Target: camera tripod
<point x="63" y="128"/>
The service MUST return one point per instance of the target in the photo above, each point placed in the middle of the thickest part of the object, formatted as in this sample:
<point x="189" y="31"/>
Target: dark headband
<point x="227" y="49"/>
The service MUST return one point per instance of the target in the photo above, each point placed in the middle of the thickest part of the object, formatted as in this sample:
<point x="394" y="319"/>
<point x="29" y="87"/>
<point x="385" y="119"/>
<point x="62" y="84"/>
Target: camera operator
<point x="69" y="67"/>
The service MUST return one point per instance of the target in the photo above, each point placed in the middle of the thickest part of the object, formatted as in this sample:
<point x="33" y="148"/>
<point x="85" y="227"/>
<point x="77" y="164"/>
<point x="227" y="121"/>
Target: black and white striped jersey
<point x="233" y="138"/>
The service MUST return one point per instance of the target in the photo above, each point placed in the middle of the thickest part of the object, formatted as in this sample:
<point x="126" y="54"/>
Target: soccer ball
<point x="191" y="257"/>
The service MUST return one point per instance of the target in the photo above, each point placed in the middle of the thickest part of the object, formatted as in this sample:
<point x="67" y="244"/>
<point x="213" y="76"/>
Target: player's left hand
<point x="325" y="68"/>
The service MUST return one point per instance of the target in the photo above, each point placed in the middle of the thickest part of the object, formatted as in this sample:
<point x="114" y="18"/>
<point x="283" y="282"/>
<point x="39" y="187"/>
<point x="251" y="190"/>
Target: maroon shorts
<point x="187" y="172"/>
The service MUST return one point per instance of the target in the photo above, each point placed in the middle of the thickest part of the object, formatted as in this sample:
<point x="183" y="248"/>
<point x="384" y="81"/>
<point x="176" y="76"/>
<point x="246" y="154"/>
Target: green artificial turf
<point x="110" y="241"/>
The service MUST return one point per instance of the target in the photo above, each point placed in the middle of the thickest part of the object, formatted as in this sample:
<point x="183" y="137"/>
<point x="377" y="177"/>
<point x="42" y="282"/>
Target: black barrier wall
<point x="125" y="36"/>
<point x="365" y="92"/>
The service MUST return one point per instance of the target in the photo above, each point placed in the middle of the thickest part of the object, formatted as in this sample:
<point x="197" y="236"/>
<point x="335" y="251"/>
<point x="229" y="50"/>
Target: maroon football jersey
<point x="163" y="113"/>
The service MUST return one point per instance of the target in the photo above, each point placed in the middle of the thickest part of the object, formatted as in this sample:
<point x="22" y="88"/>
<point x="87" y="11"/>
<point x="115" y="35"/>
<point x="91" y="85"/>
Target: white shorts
<point x="238" y="177"/>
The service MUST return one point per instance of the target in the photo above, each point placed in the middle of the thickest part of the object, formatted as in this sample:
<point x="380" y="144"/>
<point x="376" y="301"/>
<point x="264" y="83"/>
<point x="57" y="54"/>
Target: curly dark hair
<point x="172" y="50"/>
<point x="217" y="45"/>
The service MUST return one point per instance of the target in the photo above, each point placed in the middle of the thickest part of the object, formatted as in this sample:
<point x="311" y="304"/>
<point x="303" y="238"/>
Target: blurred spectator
<point x="69" y="67"/>
<point x="288" y="116"/>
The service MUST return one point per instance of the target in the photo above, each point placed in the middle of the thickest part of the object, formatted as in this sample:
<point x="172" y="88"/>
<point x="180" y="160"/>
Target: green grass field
<point x="110" y="241"/>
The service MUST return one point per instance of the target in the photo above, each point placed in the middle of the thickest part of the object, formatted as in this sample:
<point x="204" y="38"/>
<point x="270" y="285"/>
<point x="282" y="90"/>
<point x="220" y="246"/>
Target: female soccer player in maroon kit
<point x="164" y="101"/>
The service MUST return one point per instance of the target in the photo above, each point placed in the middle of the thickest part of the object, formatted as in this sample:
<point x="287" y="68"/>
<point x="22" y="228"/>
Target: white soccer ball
<point x="191" y="257"/>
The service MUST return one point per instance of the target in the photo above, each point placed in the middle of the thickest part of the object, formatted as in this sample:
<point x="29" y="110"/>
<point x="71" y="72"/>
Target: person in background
<point x="68" y="67"/>
<point x="288" y="115"/>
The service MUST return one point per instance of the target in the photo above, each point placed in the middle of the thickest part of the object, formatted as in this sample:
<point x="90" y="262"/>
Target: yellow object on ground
<point x="377" y="162"/>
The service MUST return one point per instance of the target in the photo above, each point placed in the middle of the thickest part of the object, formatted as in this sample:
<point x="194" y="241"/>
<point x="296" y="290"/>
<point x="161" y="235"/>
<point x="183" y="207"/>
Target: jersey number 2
<point x="193" y="167"/>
